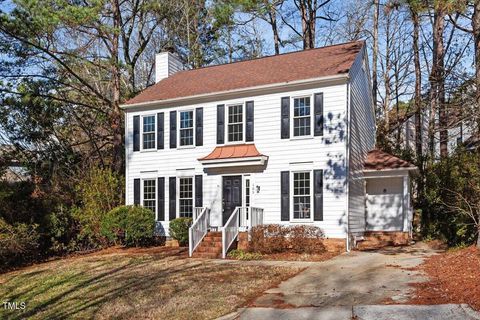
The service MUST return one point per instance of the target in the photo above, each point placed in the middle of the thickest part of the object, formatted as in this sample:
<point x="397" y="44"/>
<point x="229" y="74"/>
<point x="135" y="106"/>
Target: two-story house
<point x="276" y="140"/>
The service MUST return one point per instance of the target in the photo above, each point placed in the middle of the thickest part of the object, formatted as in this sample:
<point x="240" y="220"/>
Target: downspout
<point x="347" y="164"/>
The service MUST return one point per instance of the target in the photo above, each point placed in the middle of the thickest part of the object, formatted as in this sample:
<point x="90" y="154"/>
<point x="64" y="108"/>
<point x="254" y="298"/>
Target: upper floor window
<point x="186" y="128"/>
<point x="149" y="194"/>
<point x="302" y="195"/>
<point x="186" y="197"/>
<point x="235" y="123"/>
<point x="148" y="132"/>
<point x="302" y="117"/>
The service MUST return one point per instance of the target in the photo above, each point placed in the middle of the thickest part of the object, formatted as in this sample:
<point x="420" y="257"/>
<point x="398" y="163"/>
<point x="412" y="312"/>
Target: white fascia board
<point x="234" y="162"/>
<point x="223" y="95"/>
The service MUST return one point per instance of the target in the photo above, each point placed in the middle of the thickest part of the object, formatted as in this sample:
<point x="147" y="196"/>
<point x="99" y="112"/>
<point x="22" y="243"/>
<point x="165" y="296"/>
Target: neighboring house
<point x="274" y="140"/>
<point x="459" y="133"/>
<point x="12" y="170"/>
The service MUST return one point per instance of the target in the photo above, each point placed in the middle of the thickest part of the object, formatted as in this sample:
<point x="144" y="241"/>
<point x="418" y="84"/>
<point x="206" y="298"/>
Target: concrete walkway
<point x="356" y="283"/>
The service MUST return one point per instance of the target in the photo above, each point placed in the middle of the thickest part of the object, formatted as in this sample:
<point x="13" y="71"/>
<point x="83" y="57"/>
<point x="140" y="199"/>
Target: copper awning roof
<point x="238" y="154"/>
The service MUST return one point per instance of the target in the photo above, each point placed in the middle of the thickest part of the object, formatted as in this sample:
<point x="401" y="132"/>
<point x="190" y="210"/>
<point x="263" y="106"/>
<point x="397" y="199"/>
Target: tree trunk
<point x="476" y="40"/>
<point x="437" y="86"/>
<point x="272" y="15"/>
<point x="439" y="77"/>
<point x="375" y="52"/>
<point x="418" y="86"/>
<point x="116" y="114"/>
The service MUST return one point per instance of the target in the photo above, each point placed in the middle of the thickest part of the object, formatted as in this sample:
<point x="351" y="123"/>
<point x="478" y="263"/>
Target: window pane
<point x="148" y="140"/>
<point x="149" y="132"/>
<point x="301" y="195"/>
<point x="149" y="192"/>
<point x="186" y="128"/>
<point x="301" y="117"/>
<point x="186" y="197"/>
<point x="235" y="123"/>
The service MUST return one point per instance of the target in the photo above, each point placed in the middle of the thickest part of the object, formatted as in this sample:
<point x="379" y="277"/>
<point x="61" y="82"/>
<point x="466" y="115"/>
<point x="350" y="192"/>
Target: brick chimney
<point x="166" y="64"/>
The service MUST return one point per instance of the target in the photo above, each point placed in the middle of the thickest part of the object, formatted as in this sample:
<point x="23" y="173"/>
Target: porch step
<point x="210" y="247"/>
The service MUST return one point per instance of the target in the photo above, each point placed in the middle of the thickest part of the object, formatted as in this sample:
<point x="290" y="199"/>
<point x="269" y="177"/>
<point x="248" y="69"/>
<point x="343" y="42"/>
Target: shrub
<point x="113" y="225"/>
<point x="179" y="230"/>
<point x="269" y="238"/>
<point x="274" y="238"/>
<point x="99" y="192"/>
<point x="306" y="239"/>
<point x="244" y="255"/>
<point x="140" y="226"/>
<point x="61" y="231"/>
<point x="18" y="243"/>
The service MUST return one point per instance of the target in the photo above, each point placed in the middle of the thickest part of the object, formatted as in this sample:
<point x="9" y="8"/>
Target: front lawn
<point x="141" y="284"/>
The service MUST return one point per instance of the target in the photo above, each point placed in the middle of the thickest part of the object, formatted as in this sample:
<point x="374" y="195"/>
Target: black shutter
<point x="161" y="199"/>
<point x="173" y="129"/>
<point x="318" y="195"/>
<point x="318" y="102"/>
<point x="285" y="195"/>
<point x="136" y="191"/>
<point x="172" y="201"/>
<point x="136" y="133"/>
<point x="249" y="118"/>
<point x="285" y="132"/>
<point x="199" y="191"/>
<point x="220" y="124"/>
<point x="160" y="130"/>
<point x="199" y="127"/>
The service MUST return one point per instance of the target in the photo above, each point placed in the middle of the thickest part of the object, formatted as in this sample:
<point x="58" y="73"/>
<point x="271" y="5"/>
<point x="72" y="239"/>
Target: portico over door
<point x="232" y="195"/>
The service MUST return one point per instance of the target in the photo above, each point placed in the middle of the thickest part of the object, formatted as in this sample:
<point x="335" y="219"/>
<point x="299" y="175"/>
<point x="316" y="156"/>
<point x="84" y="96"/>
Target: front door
<point x="232" y="195"/>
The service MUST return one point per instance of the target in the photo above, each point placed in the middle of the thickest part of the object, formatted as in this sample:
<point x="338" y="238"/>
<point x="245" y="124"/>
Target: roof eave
<point x="234" y="162"/>
<point x="250" y="90"/>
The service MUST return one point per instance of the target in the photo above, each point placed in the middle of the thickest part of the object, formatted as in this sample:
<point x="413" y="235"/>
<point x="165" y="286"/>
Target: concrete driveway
<point x="353" y="284"/>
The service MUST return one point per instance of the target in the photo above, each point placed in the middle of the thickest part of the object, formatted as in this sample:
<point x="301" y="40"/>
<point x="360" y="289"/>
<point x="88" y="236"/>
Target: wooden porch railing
<point x="242" y="217"/>
<point x="199" y="229"/>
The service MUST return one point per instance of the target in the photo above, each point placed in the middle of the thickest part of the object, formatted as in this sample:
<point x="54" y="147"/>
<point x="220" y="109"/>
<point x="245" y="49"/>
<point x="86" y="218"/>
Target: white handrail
<point x="230" y="231"/>
<point x="198" y="230"/>
<point x="197" y="211"/>
<point x="255" y="217"/>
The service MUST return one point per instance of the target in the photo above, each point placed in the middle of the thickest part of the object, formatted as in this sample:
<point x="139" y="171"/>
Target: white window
<point x="185" y="199"/>
<point x="247" y="192"/>
<point x="150" y="194"/>
<point x="302" y="117"/>
<point x="235" y="123"/>
<point x="148" y="132"/>
<point x="302" y="195"/>
<point x="186" y="135"/>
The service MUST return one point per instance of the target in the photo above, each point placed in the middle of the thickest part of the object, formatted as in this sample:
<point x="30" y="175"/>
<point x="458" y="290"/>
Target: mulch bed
<point x="454" y="278"/>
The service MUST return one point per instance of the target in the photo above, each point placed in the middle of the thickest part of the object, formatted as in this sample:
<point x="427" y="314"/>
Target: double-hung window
<point x="186" y="128"/>
<point x="235" y="123"/>
<point x="148" y="132"/>
<point x="149" y="194"/>
<point x="302" y="117"/>
<point x="185" y="198"/>
<point x="302" y="195"/>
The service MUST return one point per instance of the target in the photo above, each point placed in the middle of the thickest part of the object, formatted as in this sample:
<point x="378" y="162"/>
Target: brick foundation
<point x="331" y="244"/>
<point x="379" y="239"/>
<point x="335" y="244"/>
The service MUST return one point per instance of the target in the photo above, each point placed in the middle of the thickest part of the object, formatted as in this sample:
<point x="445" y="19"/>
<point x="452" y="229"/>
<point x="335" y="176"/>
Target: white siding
<point x="327" y="152"/>
<point x="361" y="140"/>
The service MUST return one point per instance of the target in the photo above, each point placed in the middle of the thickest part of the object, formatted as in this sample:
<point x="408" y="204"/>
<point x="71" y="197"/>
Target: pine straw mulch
<point x="454" y="278"/>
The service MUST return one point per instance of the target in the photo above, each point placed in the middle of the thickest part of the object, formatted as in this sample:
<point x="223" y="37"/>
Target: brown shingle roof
<point x="379" y="160"/>
<point x="233" y="151"/>
<point x="301" y="65"/>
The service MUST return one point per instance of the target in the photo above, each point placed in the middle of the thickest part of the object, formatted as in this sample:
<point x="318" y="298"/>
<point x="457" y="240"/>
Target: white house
<point x="275" y="140"/>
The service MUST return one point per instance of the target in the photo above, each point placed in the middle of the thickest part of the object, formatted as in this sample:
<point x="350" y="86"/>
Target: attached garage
<point x="387" y="188"/>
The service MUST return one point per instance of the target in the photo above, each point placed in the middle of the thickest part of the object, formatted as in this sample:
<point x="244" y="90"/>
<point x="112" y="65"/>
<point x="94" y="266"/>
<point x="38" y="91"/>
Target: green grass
<point x="126" y="285"/>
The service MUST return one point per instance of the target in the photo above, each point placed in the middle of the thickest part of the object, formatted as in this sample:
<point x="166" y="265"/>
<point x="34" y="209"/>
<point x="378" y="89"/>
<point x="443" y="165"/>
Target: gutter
<point x="347" y="164"/>
<point x="257" y="90"/>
